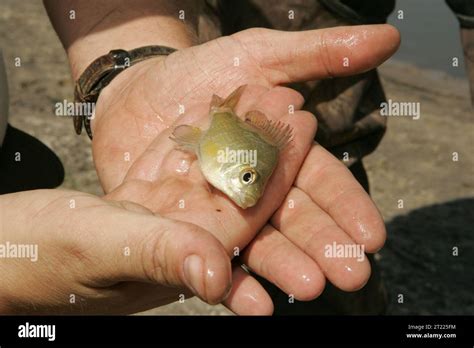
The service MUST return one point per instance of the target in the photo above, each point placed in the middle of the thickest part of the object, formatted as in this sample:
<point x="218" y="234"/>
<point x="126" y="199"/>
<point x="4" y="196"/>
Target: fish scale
<point x="224" y="132"/>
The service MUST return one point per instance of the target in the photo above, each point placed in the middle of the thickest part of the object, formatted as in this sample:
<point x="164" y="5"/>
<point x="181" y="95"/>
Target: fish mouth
<point x="247" y="202"/>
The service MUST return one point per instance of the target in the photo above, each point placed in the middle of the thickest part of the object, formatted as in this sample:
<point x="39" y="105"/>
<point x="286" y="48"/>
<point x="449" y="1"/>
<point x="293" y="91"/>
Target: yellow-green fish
<point x="235" y="156"/>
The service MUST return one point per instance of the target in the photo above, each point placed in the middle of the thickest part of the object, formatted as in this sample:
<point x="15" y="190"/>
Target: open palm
<point x="310" y="201"/>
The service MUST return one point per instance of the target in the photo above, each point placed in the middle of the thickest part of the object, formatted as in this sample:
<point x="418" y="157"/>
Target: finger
<point x="272" y="256"/>
<point x="312" y="230"/>
<point x="333" y="188"/>
<point x="247" y="296"/>
<point x="286" y="57"/>
<point x="277" y="102"/>
<point x="138" y="246"/>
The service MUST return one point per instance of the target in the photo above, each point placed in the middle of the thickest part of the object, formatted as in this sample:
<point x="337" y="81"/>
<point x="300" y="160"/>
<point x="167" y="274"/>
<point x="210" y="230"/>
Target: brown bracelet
<point x="103" y="70"/>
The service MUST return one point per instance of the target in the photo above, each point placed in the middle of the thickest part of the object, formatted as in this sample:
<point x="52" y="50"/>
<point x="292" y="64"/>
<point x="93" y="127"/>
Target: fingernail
<point x="193" y="273"/>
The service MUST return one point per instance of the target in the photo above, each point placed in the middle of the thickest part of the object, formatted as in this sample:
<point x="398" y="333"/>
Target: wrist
<point x="99" y="27"/>
<point x="85" y="50"/>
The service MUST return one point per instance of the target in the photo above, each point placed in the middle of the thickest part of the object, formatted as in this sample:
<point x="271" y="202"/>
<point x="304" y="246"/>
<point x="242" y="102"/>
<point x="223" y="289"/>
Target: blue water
<point x="430" y="35"/>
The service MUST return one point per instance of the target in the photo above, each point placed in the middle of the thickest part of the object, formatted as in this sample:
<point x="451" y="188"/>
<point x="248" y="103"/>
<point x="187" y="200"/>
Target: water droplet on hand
<point x="183" y="166"/>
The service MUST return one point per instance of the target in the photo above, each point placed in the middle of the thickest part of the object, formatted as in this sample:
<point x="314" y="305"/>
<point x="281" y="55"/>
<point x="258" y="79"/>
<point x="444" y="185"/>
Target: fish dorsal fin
<point x="275" y="132"/>
<point x="187" y="137"/>
<point x="232" y="100"/>
<point x="216" y="101"/>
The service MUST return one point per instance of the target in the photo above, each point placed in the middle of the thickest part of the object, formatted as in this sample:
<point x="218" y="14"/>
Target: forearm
<point x="17" y="270"/>
<point x="95" y="28"/>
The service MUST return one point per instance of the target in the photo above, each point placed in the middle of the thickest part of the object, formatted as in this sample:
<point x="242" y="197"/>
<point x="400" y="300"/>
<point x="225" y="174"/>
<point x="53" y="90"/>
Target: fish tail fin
<point x="187" y="137"/>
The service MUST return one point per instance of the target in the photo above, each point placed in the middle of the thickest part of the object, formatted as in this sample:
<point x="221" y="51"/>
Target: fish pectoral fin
<point x="232" y="100"/>
<point x="275" y="132"/>
<point x="187" y="137"/>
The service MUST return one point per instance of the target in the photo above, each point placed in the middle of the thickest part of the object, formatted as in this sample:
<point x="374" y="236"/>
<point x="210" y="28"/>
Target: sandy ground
<point x="414" y="163"/>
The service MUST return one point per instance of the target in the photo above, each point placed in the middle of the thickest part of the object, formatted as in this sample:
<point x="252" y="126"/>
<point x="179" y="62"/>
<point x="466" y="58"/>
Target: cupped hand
<point x="102" y="257"/>
<point x="311" y="201"/>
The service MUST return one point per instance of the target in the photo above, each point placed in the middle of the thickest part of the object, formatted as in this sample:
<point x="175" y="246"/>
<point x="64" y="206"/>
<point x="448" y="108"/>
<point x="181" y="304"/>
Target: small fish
<point x="236" y="156"/>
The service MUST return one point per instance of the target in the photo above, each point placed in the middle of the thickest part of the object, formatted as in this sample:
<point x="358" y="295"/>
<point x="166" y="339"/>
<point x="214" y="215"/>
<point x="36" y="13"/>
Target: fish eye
<point x="248" y="176"/>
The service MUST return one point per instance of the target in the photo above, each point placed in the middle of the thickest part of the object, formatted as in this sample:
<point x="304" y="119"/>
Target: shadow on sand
<point x="418" y="262"/>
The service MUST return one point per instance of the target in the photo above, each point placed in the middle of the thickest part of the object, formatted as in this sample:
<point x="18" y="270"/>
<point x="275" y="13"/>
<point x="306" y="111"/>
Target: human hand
<point x="102" y="257"/>
<point x="134" y="116"/>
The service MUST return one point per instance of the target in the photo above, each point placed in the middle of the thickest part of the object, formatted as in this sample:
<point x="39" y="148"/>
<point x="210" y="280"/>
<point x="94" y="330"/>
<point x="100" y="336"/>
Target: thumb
<point x="287" y="57"/>
<point x="132" y="244"/>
